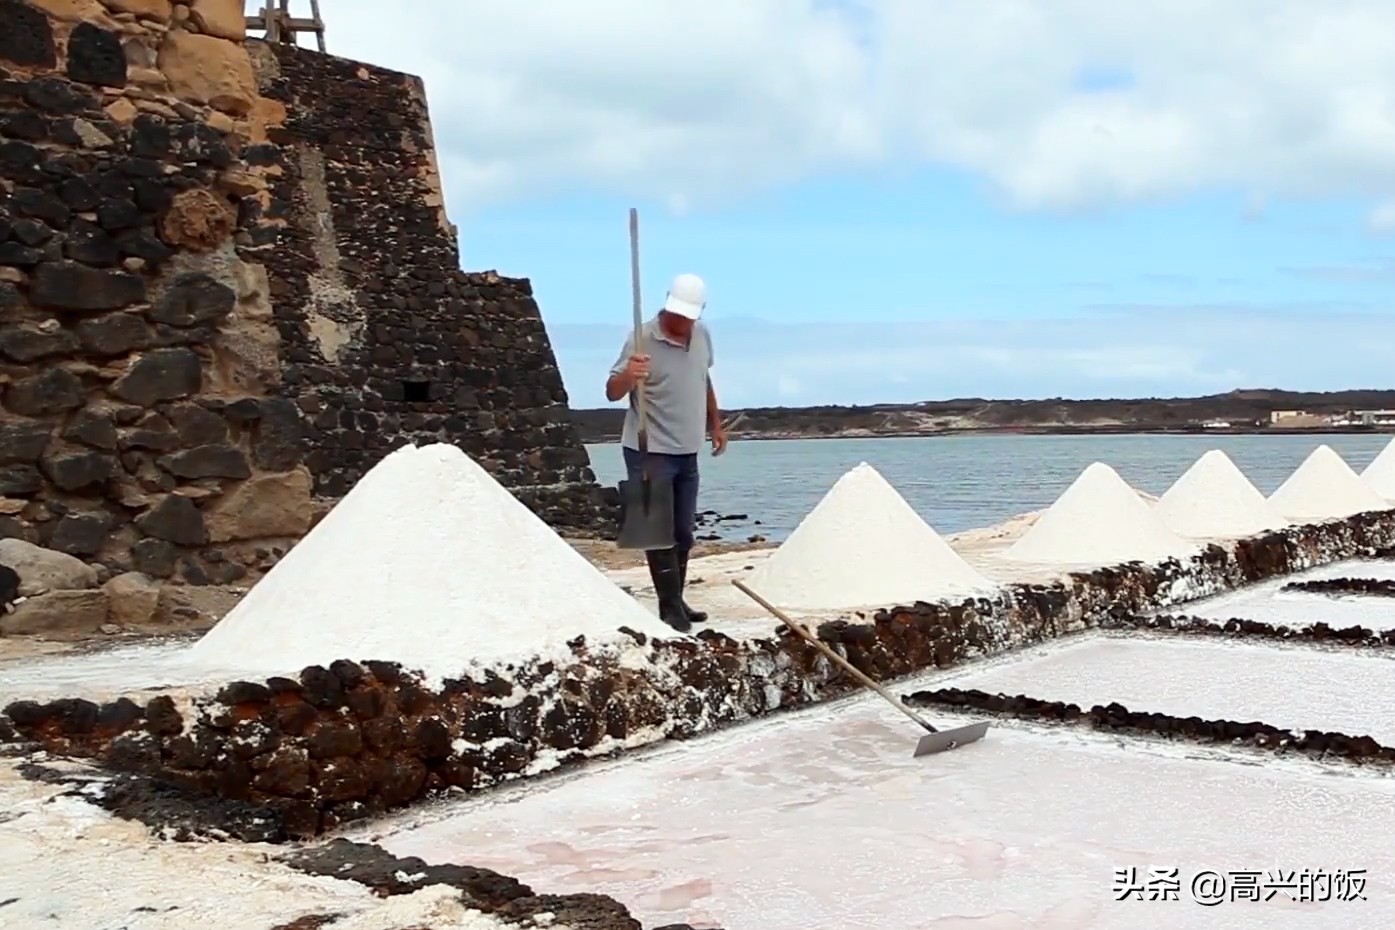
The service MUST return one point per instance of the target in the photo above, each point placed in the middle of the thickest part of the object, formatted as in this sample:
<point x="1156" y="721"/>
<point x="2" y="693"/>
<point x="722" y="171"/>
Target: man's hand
<point x="719" y="440"/>
<point x="637" y="369"/>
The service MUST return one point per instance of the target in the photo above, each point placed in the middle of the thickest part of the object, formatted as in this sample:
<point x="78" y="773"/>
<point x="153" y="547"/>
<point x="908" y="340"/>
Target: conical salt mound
<point x="427" y="561"/>
<point x="1380" y="474"/>
<point x="1324" y="488"/>
<point x="1098" y="520"/>
<point x="863" y="546"/>
<point x="1214" y="500"/>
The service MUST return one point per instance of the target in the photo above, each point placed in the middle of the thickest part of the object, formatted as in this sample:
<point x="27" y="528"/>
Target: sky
<point x="902" y="200"/>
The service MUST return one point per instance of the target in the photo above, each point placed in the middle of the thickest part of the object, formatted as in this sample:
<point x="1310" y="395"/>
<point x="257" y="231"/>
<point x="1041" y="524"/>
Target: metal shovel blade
<point x="950" y="739"/>
<point x="647" y="522"/>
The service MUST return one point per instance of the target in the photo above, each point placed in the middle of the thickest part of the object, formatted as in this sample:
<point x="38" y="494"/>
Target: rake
<point x="934" y="740"/>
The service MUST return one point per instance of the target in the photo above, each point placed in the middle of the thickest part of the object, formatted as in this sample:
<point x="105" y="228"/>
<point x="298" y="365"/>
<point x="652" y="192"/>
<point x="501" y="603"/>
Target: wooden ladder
<point x="276" y="21"/>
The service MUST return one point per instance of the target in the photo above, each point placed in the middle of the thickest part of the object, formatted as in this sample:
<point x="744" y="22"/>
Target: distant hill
<point x="1243" y="410"/>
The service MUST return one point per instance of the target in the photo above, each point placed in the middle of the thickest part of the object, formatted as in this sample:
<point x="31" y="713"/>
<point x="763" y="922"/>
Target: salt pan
<point x="60" y="858"/>
<point x="1098" y="520"/>
<point x="1380" y="474"/>
<point x="864" y="546"/>
<point x="430" y="562"/>
<point x="1214" y="500"/>
<point x="1022" y="830"/>
<point x="1324" y="488"/>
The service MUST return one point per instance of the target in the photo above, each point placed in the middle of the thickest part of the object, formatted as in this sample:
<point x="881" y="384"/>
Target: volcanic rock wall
<point x="140" y="428"/>
<point x="227" y="284"/>
<point x="384" y="339"/>
<point x="298" y="755"/>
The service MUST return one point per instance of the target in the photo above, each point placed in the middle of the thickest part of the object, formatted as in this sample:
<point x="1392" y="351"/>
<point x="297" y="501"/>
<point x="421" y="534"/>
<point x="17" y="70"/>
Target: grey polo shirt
<point x="676" y="390"/>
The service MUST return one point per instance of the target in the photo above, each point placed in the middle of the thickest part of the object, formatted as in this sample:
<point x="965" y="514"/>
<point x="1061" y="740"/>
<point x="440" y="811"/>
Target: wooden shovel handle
<point x="643" y="428"/>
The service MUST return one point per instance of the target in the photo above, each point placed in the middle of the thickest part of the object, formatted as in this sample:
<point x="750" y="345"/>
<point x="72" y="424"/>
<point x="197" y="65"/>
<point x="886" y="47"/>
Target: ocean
<point x="961" y="482"/>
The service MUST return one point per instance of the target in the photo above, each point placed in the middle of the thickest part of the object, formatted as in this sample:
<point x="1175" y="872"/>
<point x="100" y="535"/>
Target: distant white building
<point x="1373" y="417"/>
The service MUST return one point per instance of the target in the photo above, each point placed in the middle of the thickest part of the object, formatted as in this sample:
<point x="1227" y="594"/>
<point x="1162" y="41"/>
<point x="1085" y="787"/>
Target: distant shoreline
<point x="1261" y="411"/>
<point x="774" y="436"/>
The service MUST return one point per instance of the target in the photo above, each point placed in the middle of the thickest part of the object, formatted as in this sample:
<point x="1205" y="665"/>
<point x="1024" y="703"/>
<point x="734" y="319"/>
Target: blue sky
<point x="897" y="201"/>
<point x="864" y="290"/>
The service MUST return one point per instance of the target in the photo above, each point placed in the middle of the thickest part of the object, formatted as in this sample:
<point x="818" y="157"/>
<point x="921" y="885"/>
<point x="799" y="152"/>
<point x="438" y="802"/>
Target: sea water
<point x="960" y="482"/>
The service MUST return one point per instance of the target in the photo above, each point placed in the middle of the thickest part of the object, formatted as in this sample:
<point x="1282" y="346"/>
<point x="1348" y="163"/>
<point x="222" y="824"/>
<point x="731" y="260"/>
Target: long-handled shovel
<point x="934" y="740"/>
<point x="647" y="501"/>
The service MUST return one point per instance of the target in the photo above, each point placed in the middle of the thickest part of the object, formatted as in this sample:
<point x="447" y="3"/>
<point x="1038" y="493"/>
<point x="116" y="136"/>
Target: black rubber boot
<point x="697" y="616"/>
<point x="668" y="585"/>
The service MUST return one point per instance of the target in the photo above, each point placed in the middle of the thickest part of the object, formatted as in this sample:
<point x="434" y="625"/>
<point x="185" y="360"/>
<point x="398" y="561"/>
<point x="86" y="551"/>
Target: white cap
<point x="687" y="295"/>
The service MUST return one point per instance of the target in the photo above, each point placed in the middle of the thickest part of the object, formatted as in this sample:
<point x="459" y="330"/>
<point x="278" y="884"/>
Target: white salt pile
<point x="1324" y="488"/>
<point x="1099" y="520"/>
<point x="1380" y="474"/>
<point x="1214" y="500"/>
<point x="430" y="562"/>
<point x="863" y="546"/>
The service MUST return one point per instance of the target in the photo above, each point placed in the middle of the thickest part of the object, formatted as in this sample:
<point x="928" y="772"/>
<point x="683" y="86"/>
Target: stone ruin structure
<point x="228" y="287"/>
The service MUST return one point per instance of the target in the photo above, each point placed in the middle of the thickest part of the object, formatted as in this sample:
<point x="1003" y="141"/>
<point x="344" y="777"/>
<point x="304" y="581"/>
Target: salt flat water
<point x="1297" y="687"/>
<point x="824" y="821"/>
<point x="960" y="482"/>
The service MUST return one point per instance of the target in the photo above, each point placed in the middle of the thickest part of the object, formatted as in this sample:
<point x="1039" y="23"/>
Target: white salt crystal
<point x="1380" y="474"/>
<point x="1324" y="488"/>
<point x="430" y="562"/>
<point x="1098" y="521"/>
<point x="864" y="546"/>
<point x="1214" y="500"/>
<point x="431" y="906"/>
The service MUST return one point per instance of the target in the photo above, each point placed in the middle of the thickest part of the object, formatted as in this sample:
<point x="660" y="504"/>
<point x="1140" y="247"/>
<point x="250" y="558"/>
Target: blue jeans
<point x="682" y="470"/>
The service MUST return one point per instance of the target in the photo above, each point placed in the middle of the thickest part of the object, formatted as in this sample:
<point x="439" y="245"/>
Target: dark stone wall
<point x="385" y="340"/>
<point x="136" y="354"/>
<point x="1115" y="718"/>
<point x="351" y="740"/>
<point x="227" y="286"/>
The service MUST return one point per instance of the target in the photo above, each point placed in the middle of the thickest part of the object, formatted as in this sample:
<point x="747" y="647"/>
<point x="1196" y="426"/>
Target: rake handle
<point x="832" y="656"/>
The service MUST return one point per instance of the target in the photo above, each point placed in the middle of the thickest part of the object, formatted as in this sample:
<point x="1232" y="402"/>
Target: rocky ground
<point x="64" y="604"/>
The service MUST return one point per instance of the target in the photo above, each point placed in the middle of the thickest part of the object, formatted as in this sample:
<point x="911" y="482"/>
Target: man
<point x="673" y="362"/>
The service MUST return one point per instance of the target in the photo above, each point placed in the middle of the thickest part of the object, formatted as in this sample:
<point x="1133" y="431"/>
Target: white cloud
<point x="1347" y="272"/>
<point x="692" y="102"/>
<point x="1382" y="219"/>
<point x="787" y="386"/>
